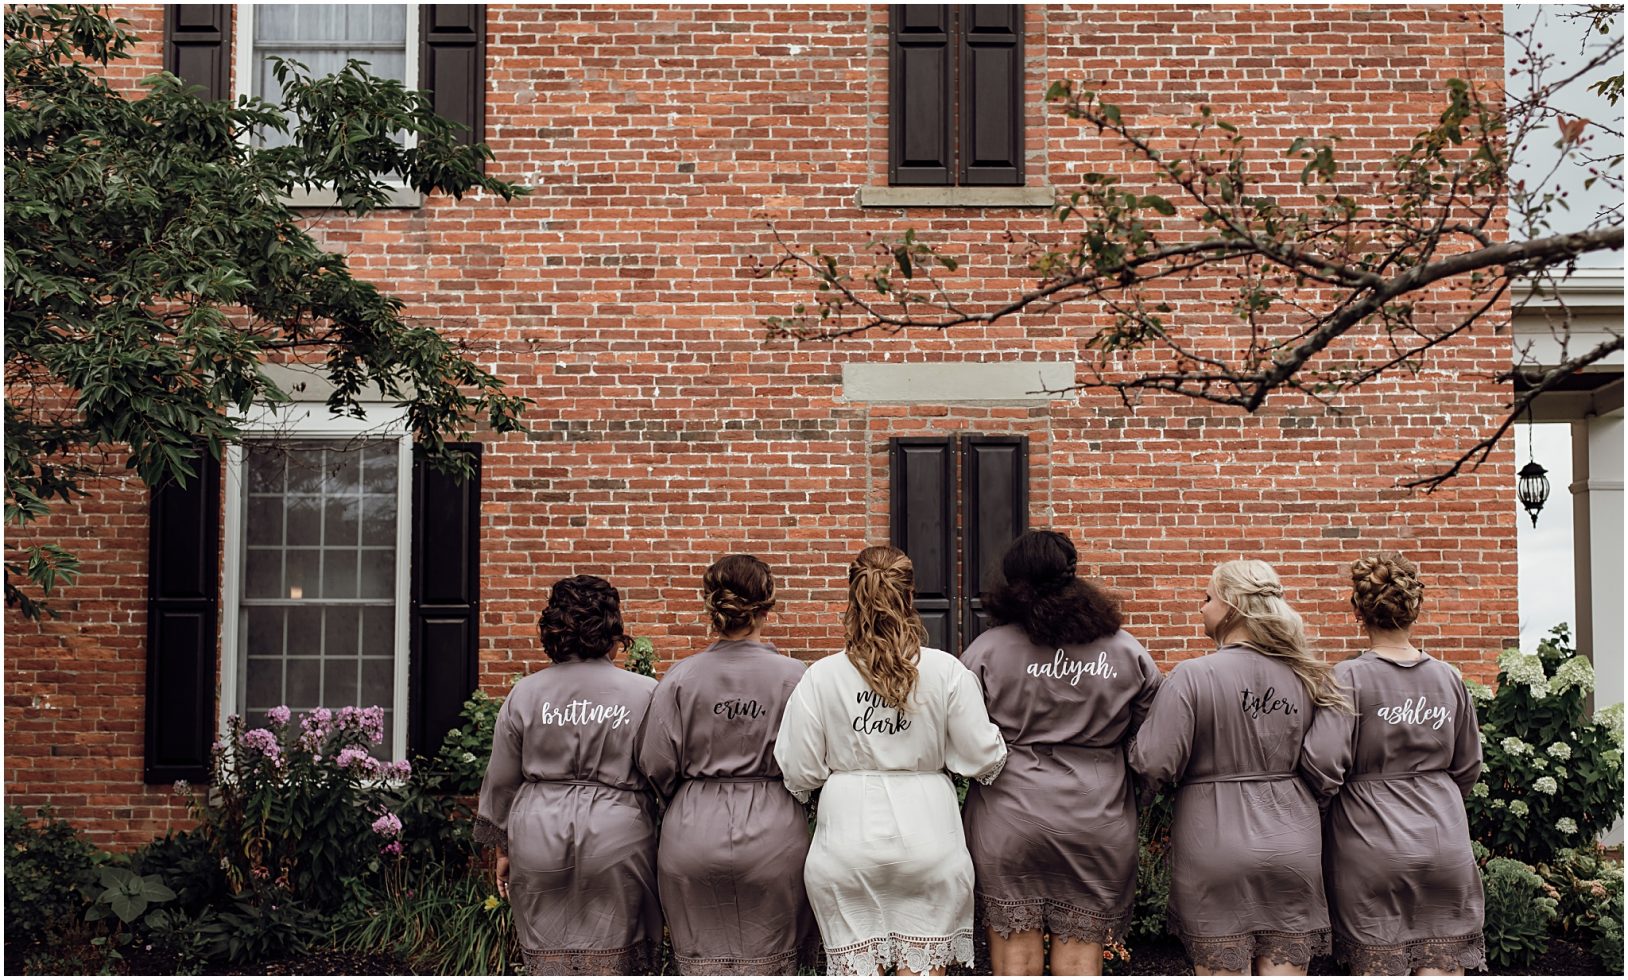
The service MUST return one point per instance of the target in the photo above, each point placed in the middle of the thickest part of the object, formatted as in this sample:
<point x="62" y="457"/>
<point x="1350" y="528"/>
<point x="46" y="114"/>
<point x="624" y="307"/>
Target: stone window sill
<point x="323" y="197"/>
<point x="1043" y="196"/>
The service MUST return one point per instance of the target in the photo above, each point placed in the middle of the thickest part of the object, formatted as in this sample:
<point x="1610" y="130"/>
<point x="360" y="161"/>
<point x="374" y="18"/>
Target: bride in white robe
<point x="888" y="873"/>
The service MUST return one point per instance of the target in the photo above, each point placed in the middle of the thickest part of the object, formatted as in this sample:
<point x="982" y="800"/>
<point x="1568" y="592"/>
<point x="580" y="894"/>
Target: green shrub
<point x="460" y="764"/>
<point x="1152" y="870"/>
<point x="187" y="864"/>
<point x="1552" y="777"/>
<point x="1519" y="910"/>
<point x="641" y="657"/>
<point x="50" y="871"/>
<point x="445" y="923"/>
<point x="1590" y="905"/>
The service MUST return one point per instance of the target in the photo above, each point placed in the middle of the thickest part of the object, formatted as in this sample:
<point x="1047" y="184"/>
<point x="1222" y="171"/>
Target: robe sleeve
<point x="661" y="742"/>
<point x="1163" y="745"/>
<point x="973" y="743"/>
<point x="1330" y="745"/>
<point x="503" y="779"/>
<point x="1143" y="701"/>
<point x="1466" y="767"/>
<point x="799" y="748"/>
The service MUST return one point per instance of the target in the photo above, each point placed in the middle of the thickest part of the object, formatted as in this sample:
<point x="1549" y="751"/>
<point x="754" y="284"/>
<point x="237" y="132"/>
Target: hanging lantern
<point x="1533" y="489"/>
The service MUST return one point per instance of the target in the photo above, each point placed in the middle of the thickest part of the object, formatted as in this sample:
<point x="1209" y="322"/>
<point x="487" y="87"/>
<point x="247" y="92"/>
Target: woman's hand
<point x="502" y="875"/>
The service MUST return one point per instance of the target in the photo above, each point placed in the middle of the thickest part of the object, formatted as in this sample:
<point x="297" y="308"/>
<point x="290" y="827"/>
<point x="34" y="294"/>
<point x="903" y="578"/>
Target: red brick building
<point x="659" y="142"/>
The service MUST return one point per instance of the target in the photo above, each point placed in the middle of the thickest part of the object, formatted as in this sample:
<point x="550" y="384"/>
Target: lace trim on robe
<point x="988" y="776"/>
<point x="632" y="959"/>
<point x="784" y="964"/>
<point x="1237" y="954"/>
<point x="1402" y="959"/>
<point x="1062" y="919"/>
<point x="487" y="832"/>
<point x="914" y="953"/>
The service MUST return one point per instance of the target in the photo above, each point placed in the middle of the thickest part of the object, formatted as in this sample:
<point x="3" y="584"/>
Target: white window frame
<point x="400" y="195"/>
<point x="311" y="420"/>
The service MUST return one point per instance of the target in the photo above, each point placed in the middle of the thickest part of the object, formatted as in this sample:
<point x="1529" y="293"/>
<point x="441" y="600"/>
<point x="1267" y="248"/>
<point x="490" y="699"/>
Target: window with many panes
<point x="317" y="576"/>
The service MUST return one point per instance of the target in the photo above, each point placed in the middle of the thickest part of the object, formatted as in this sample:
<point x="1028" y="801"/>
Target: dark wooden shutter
<point x="994" y="511"/>
<point x="990" y="87"/>
<point x="445" y="614"/>
<point x="183" y="613"/>
<point x="923" y="526"/>
<point x="198" y="45"/>
<point x="453" y="64"/>
<point x="920" y="80"/>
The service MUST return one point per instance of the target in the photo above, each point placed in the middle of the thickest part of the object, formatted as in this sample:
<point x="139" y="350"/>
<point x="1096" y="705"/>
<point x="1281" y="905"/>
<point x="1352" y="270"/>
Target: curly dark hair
<point x="1386" y="591"/>
<point x="1042" y="596"/>
<point x="583" y="620"/>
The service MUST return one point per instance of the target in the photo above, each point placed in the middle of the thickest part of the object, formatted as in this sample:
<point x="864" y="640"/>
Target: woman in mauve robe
<point x="733" y="840"/>
<point x="570" y="814"/>
<point x="876" y="726"/>
<point x="1053" y="838"/>
<point x="1404" y="892"/>
<point x="1246" y="868"/>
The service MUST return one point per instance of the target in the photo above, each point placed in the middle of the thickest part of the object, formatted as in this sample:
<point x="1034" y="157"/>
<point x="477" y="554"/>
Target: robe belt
<point x="733" y="779"/>
<point x="588" y="782"/>
<point x="1240" y="777"/>
<point x="1364" y="777"/>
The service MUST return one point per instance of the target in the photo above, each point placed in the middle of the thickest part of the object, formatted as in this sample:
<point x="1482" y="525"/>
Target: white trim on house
<point x="311" y="420"/>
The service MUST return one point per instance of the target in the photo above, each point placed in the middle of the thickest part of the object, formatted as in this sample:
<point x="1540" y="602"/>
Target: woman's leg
<point x="1267" y="967"/>
<point x="1070" y="958"/>
<point x="1204" y="971"/>
<point x="1022" y="954"/>
<point x="1427" y="971"/>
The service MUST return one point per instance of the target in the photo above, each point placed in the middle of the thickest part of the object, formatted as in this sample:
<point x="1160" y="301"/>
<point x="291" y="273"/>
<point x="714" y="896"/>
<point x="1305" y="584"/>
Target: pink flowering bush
<point x="297" y="808"/>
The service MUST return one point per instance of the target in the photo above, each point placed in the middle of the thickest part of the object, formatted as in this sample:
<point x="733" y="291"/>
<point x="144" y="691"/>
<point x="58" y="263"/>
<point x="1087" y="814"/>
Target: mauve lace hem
<point x="1401" y="959"/>
<point x="918" y="954"/>
<point x="487" y="832"/>
<point x="1064" y="920"/>
<point x="1238" y="953"/>
<point x="624" y="960"/>
<point x="783" y="964"/>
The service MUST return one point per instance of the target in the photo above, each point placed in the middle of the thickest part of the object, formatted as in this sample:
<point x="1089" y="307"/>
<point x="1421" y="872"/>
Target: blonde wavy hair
<point x="1253" y="593"/>
<point x="880" y="626"/>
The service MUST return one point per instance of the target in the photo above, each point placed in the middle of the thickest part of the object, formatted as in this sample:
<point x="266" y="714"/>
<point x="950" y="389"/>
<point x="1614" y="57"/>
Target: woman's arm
<point x="974" y="746"/>
<point x="1164" y="743"/>
<point x="503" y="779"/>
<point x="800" y="749"/>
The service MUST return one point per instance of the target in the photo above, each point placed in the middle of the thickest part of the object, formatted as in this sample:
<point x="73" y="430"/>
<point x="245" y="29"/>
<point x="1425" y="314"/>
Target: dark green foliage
<point x="186" y="863"/>
<point x="151" y="267"/>
<point x="447" y="922"/>
<point x="1519" y="910"/>
<point x="257" y="928"/>
<point x="641" y="657"/>
<point x="50" y="871"/>
<point x="1590" y="905"/>
<point x="1553" y="777"/>
<point x="460" y="764"/>
<point x="1152" y="870"/>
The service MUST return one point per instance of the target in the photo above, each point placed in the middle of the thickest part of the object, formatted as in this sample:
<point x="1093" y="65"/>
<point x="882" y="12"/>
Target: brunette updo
<point x="1386" y="591"/>
<point x="1043" y="597"/>
<point x="738" y="590"/>
<point x="583" y="620"/>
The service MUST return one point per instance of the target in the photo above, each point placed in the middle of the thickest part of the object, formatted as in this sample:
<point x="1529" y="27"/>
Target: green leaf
<point x="1158" y="204"/>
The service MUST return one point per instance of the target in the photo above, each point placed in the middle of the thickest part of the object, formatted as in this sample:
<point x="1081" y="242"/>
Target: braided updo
<point x="737" y="591"/>
<point x="1386" y="591"/>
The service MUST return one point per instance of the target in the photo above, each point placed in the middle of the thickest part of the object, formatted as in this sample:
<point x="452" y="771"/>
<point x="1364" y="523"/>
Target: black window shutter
<point x="183" y="613"/>
<point x="991" y="95"/>
<point x="995" y="510"/>
<point x="453" y="64"/>
<point x="919" y="94"/>
<point x="922" y="519"/>
<point x="445" y="615"/>
<point x="198" y="45"/>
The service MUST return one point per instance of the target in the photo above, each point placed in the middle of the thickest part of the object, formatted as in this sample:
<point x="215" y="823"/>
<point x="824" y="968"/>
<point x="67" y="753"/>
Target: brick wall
<point x="619" y="295"/>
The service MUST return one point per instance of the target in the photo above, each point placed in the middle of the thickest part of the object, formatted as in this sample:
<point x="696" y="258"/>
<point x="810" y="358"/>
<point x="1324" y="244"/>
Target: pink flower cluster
<point x="388" y="825"/>
<point x="279" y="715"/>
<point x="264" y="742"/>
<point x="355" y="757"/>
<point x="393" y="848"/>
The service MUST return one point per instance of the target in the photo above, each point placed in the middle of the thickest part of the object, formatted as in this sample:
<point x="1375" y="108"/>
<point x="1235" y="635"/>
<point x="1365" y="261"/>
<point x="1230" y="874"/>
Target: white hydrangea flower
<point x="1498" y="804"/>
<point x="1546" y="785"/>
<point x="1538" y="763"/>
<point x="1479" y="790"/>
<point x="1560" y="750"/>
<point x="1576" y="672"/>
<point x="1519" y="808"/>
<point x="1566" y="825"/>
<point x="1514" y="746"/>
<point x="1561" y="772"/>
<point x="467" y="758"/>
<point x="1525" y="668"/>
<point x="1480" y="693"/>
<point x="1611" y="717"/>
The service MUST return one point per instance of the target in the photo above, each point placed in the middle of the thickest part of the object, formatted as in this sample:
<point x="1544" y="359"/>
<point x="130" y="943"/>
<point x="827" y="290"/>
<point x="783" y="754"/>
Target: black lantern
<point x="1533" y="489"/>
